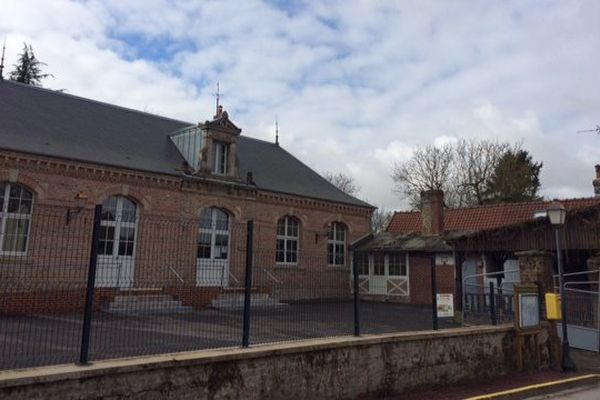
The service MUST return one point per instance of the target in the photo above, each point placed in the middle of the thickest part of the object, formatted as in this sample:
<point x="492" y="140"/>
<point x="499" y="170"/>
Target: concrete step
<point x="235" y="301"/>
<point x="143" y="299"/>
<point x="146" y="304"/>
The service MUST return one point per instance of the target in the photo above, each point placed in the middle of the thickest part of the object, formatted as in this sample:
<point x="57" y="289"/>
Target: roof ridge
<point x="86" y="99"/>
<point x="532" y="202"/>
<point x="407" y="212"/>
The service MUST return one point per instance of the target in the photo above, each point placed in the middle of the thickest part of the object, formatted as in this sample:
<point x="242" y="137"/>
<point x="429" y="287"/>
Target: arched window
<point x="288" y="230"/>
<point x="213" y="240"/>
<point x="117" y="227"/>
<point x="336" y="244"/>
<point x="15" y="217"/>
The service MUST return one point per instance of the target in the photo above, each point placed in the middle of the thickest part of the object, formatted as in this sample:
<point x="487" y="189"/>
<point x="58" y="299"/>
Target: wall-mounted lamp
<point x="80" y="202"/>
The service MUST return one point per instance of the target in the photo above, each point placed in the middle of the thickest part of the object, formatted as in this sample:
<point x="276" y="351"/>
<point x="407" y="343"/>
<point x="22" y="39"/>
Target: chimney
<point x="432" y="212"/>
<point x="596" y="182"/>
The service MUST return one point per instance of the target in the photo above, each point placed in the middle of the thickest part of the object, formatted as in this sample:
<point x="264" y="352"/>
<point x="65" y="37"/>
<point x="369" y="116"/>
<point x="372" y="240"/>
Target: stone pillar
<point x="537" y="269"/>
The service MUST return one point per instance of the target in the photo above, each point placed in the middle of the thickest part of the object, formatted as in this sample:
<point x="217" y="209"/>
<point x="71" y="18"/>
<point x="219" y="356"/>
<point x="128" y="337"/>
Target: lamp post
<point x="556" y="215"/>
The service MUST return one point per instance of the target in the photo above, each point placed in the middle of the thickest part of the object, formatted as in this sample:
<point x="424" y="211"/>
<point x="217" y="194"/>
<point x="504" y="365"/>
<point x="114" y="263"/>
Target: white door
<point x="512" y="273"/>
<point x="116" y="252"/>
<point x="212" y="265"/>
<point x="469" y="269"/>
<point x="378" y="279"/>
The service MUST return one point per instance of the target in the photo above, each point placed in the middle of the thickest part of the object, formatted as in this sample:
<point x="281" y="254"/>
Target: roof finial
<point x="2" y="60"/>
<point x="217" y="95"/>
<point x="276" y="131"/>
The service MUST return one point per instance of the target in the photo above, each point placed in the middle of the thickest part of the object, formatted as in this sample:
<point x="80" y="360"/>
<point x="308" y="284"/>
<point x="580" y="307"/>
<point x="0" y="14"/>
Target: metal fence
<point x="79" y="285"/>
<point x="487" y="299"/>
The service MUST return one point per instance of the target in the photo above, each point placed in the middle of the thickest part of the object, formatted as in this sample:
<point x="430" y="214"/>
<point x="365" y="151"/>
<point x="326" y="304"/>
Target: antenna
<point x="276" y="131"/>
<point x="596" y="130"/>
<point x="2" y="60"/>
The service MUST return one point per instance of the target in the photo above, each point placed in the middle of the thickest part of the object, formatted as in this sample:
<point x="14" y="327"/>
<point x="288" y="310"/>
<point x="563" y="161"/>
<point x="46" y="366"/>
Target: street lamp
<point x="556" y="215"/>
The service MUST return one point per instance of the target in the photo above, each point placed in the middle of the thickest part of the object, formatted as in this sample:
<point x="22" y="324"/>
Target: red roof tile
<point x="483" y="217"/>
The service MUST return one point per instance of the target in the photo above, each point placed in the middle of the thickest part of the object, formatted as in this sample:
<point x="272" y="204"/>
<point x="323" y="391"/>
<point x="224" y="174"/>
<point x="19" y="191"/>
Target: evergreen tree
<point x="28" y="69"/>
<point x="516" y="178"/>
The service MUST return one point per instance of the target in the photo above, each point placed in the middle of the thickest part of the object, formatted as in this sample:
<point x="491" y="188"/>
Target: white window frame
<point x="332" y="241"/>
<point x="4" y="215"/>
<point x="118" y="223"/>
<point x="367" y="260"/>
<point x="213" y="231"/>
<point x="287" y="239"/>
<point x="221" y="157"/>
<point x="387" y="264"/>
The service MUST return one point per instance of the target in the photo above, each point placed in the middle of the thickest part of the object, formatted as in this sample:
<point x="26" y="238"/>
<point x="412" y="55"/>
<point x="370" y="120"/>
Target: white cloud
<point x="356" y="85"/>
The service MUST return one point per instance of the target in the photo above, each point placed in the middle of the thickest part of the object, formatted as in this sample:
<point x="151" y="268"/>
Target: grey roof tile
<point x="51" y="123"/>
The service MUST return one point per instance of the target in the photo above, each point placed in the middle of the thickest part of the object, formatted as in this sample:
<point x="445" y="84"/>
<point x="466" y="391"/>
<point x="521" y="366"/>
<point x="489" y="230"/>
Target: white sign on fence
<point x="445" y="305"/>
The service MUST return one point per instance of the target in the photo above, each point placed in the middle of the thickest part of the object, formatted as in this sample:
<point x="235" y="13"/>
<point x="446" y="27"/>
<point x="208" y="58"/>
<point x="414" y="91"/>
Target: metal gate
<point x="483" y="297"/>
<point x="582" y="298"/>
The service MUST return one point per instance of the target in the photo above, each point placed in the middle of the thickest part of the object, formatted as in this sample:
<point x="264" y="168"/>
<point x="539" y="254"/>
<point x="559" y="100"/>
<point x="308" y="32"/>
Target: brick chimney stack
<point x="432" y="212"/>
<point x="596" y="182"/>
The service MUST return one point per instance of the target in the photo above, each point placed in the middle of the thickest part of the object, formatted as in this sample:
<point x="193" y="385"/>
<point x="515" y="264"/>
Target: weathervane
<point x="276" y="131"/>
<point x="218" y="96"/>
<point x="597" y="130"/>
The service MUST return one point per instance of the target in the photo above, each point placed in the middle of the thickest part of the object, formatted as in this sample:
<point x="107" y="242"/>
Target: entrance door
<point x="116" y="253"/>
<point x="378" y="281"/>
<point x="469" y="270"/>
<point x="212" y="264"/>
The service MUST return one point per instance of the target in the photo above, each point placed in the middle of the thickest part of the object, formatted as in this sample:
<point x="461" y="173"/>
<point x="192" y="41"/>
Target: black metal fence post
<point x="248" y="284"/>
<point x="434" y="293"/>
<point x="493" y="305"/>
<point x="89" y="290"/>
<point x="356" y="297"/>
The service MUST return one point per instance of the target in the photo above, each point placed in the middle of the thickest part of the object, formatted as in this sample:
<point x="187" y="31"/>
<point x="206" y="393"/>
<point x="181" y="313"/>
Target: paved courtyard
<point x="27" y="341"/>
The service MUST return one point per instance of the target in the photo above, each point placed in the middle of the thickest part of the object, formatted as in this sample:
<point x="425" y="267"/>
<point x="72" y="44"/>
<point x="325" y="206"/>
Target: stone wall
<point x="317" y="369"/>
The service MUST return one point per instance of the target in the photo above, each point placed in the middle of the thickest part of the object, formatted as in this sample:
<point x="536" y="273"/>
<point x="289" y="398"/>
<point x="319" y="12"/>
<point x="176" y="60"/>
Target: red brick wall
<point x="420" y="279"/>
<point x="162" y="200"/>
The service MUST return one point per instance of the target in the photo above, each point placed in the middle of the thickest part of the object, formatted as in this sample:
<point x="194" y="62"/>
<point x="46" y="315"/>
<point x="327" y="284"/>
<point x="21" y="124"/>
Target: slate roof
<point x="55" y="124"/>
<point x="488" y="216"/>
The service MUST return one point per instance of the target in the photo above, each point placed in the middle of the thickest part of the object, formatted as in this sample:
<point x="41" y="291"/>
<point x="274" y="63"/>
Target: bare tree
<point x="476" y="161"/>
<point x="462" y="170"/>
<point x="380" y="219"/>
<point x="343" y="182"/>
<point x="429" y="168"/>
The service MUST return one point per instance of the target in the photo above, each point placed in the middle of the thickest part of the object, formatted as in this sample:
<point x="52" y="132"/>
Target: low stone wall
<point x="342" y="368"/>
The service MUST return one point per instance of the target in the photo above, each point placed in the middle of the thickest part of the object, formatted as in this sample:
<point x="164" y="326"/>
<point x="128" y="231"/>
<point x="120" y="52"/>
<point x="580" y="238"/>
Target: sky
<point x="354" y="84"/>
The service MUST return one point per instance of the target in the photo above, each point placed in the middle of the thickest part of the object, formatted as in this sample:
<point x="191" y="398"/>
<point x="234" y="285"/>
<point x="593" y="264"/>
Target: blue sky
<point x="356" y="85"/>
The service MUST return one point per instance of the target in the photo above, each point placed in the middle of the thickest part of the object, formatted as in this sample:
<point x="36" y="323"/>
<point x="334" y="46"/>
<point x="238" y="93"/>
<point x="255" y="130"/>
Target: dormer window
<point x="220" y="157"/>
<point x="209" y="148"/>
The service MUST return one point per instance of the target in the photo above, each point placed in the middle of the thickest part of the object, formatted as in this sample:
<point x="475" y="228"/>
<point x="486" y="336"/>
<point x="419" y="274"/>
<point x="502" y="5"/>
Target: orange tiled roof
<point x="488" y="216"/>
